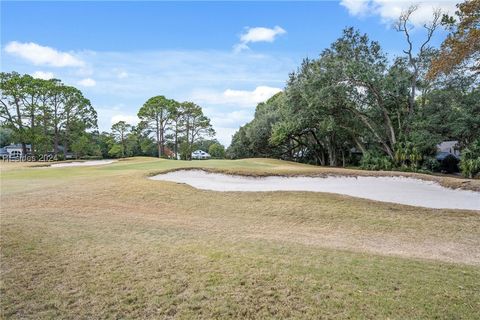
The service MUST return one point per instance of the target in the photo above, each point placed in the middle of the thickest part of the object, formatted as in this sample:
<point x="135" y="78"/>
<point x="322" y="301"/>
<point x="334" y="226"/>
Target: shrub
<point x="431" y="164"/>
<point x="408" y="154"/>
<point x="470" y="167"/>
<point x="470" y="163"/>
<point x="449" y="164"/>
<point x="372" y="161"/>
<point x="185" y="151"/>
<point x="217" y="151"/>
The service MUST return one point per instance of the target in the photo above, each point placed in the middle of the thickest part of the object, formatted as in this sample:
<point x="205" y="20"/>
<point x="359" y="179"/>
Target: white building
<point x="14" y="151"/>
<point x="200" y="154"/>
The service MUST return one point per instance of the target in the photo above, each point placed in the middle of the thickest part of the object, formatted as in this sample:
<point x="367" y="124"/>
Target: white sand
<point x="82" y="163"/>
<point x="400" y="190"/>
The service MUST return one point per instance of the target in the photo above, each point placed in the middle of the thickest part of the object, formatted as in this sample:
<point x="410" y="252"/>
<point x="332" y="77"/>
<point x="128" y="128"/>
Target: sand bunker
<point x="82" y="163"/>
<point x="400" y="190"/>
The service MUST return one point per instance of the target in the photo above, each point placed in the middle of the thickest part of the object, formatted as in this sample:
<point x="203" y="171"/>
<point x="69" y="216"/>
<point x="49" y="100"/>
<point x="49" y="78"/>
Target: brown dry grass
<point x="105" y="242"/>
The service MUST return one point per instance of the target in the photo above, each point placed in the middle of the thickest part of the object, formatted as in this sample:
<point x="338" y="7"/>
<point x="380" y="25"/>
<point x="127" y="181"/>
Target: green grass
<point x="105" y="242"/>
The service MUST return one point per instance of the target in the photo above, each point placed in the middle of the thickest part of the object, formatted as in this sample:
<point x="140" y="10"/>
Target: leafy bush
<point x="372" y="161"/>
<point x="116" y="151"/>
<point x="470" y="163"/>
<point x="449" y="164"/>
<point x="431" y="164"/>
<point x="185" y="151"/>
<point x="408" y="154"/>
<point x="217" y="151"/>
<point x="470" y="167"/>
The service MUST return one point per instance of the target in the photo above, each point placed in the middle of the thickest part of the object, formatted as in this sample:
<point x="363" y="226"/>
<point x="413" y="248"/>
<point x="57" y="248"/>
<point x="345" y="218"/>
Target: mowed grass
<point x="106" y="242"/>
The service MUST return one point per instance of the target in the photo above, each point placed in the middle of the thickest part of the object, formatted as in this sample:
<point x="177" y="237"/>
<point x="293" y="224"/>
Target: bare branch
<point x="437" y="14"/>
<point x="403" y="26"/>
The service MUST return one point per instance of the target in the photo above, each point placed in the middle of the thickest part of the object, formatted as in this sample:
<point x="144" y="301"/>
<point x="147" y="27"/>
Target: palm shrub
<point x="408" y="155"/>
<point x="431" y="164"/>
<point x="470" y="161"/>
<point x="374" y="161"/>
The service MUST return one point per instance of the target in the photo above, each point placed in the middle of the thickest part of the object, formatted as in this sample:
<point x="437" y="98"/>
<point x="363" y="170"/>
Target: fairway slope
<point x="106" y="242"/>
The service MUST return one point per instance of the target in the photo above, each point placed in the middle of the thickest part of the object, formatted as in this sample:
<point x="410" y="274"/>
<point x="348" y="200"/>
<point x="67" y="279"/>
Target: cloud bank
<point x="389" y="10"/>
<point x="241" y="98"/>
<point x="42" y="55"/>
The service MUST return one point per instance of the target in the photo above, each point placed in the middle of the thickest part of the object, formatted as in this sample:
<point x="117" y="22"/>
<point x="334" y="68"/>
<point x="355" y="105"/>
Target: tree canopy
<point x="355" y="106"/>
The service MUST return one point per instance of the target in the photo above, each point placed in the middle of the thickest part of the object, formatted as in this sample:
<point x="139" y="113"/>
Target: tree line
<point x="53" y="118"/>
<point x="46" y="114"/>
<point x="176" y="128"/>
<point x="355" y="106"/>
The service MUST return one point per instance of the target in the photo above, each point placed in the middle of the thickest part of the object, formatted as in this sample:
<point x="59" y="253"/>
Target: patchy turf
<point x="105" y="242"/>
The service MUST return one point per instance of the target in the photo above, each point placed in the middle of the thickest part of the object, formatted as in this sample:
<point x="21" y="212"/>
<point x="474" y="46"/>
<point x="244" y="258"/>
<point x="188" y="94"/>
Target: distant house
<point x="67" y="155"/>
<point x="448" y="155"/>
<point x="14" y="151"/>
<point x="451" y="147"/>
<point x="4" y="153"/>
<point x="200" y="154"/>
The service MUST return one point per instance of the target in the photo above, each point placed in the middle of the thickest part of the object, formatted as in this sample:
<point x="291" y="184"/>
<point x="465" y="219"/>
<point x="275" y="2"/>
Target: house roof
<point x="17" y="146"/>
<point x="440" y="156"/>
<point x="447" y="145"/>
<point x="200" y="152"/>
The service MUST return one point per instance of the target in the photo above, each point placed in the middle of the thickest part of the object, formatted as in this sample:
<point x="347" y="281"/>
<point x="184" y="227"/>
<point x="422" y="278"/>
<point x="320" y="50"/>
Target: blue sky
<point x="225" y="56"/>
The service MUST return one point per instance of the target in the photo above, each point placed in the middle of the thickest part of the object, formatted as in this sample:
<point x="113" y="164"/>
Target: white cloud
<point x="261" y="34"/>
<point x="356" y="7"/>
<point x="130" y="119"/>
<point x="224" y="135"/>
<point x="390" y="10"/>
<point x="177" y="74"/>
<point x="122" y="75"/>
<point x="45" y="75"/>
<point x="42" y="55"/>
<point x="258" y="34"/>
<point x="87" y="82"/>
<point x="240" y="98"/>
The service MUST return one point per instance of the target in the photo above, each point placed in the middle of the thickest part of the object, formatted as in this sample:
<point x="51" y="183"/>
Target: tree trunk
<point x="385" y="146"/>
<point x="32" y="142"/>
<point x="162" y="142"/>
<point x="55" y="141"/>
<point x="158" y="140"/>
<point x="65" y="139"/>
<point x="176" y="142"/>
<point x="123" y="144"/>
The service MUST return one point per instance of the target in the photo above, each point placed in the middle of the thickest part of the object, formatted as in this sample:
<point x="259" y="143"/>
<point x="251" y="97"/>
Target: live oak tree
<point x="353" y="105"/>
